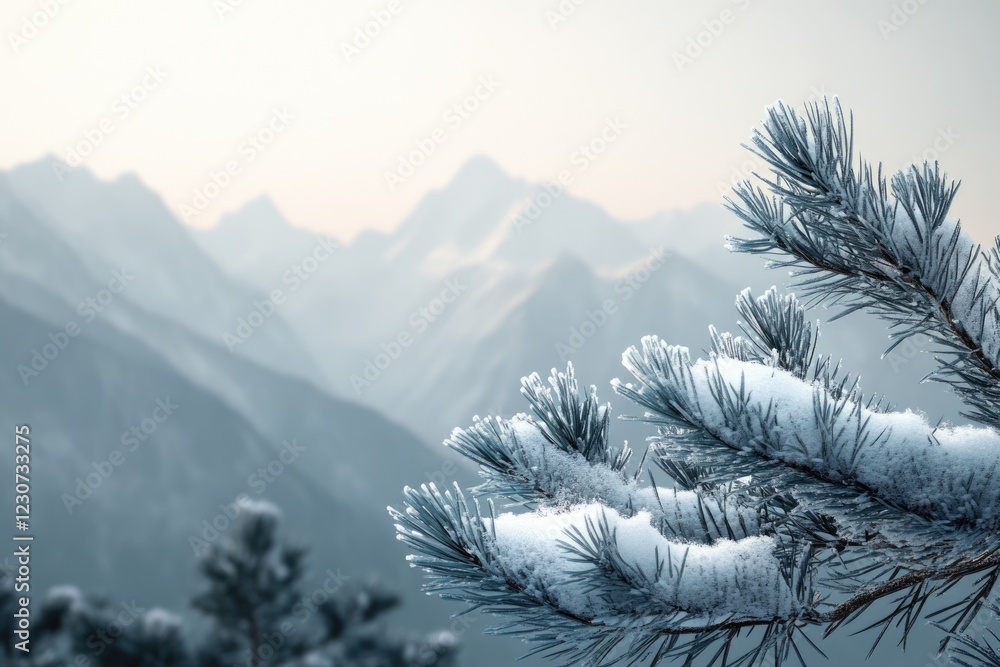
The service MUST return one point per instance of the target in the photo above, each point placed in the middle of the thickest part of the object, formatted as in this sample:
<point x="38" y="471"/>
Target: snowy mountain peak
<point x="50" y="168"/>
<point x="77" y="200"/>
<point x="564" y="269"/>
<point x="480" y="172"/>
<point x="257" y="216"/>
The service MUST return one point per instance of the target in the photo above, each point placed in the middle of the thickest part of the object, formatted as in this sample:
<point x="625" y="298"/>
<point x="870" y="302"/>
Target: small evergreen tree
<point x="797" y="502"/>
<point x="259" y="615"/>
<point x="254" y="582"/>
<point x="255" y="600"/>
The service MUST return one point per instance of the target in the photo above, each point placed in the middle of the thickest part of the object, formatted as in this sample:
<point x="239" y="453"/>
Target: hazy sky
<point x="226" y="66"/>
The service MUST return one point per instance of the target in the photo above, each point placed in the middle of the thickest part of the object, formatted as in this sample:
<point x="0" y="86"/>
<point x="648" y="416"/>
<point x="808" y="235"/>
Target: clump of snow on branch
<point x="741" y="578"/>
<point x="948" y="474"/>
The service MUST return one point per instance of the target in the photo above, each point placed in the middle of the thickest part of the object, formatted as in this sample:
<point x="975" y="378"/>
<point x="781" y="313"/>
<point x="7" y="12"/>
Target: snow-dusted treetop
<point x="795" y="501"/>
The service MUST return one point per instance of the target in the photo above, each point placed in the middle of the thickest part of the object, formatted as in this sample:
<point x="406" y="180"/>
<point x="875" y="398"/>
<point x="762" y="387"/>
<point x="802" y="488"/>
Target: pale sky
<point x="932" y="80"/>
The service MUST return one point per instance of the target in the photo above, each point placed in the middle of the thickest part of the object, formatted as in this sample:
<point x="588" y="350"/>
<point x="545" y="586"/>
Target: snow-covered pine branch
<point x="798" y="501"/>
<point x="855" y="239"/>
<point x="584" y="581"/>
<point x="562" y="457"/>
<point x="942" y="474"/>
<point x="598" y="554"/>
<point x="981" y="649"/>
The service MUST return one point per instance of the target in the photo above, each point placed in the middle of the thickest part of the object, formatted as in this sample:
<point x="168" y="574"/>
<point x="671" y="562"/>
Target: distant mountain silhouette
<point x="123" y="224"/>
<point x="530" y="283"/>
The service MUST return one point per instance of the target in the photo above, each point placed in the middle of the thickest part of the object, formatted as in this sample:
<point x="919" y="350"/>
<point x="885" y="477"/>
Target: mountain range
<point x="534" y="294"/>
<point x="354" y="360"/>
<point x="148" y="431"/>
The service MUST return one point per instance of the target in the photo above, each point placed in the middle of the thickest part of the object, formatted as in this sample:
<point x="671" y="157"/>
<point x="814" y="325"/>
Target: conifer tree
<point x="254" y="598"/>
<point x="776" y="502"/>
<point x="253" y="583"/>
<point x="256" y="602"/>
